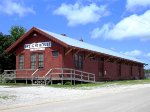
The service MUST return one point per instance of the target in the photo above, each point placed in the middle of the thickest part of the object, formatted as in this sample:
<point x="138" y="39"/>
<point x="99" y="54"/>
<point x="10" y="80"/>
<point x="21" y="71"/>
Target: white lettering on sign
<point x="37" y="46"/>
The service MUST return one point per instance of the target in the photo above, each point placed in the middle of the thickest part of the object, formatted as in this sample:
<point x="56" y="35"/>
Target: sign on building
<point x="37" y="46"/>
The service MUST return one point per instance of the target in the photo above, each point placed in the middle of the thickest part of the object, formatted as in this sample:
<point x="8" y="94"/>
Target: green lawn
<point x="98" y="84"/>
<point x="105" y="84"/>
<point x="7" y="97"/>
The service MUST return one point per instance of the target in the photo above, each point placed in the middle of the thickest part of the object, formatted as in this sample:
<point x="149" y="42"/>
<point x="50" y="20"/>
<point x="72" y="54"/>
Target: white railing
<point x="32" y="75"/>
<point x="9" y="74"/>
<point x="25" y="74"/>
<point x="70" y="74"/>
<point x="51" y="74"/>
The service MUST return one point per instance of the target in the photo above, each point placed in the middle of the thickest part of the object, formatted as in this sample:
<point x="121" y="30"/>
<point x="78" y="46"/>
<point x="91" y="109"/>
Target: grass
<point x="6" y="97"/>
<point x="99" y="84"/>
<point x="14" y="84"/>
<point x="104" y="84"/>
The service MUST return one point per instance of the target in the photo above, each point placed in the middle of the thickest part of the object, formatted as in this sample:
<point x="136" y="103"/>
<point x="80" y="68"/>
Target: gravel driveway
<point x="32" y="95"/>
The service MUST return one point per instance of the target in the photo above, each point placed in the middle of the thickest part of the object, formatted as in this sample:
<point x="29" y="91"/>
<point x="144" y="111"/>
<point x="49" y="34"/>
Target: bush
<point x="68" y="83"/>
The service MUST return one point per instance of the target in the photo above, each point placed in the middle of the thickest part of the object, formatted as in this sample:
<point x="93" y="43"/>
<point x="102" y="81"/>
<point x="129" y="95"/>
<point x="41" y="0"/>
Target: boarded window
<point x="21" y="61"/>
<point x="33" y="61"/>
<point x="41" y="60"/>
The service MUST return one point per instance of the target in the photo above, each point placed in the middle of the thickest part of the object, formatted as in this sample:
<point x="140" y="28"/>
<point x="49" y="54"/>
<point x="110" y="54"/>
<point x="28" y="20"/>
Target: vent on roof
<point x="81" y="40"/>
<point x="63" y="34"/>
<point x="35" y="34"/>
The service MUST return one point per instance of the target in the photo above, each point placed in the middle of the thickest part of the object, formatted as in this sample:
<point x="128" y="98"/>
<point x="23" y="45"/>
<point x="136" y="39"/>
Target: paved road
<point x="130" y="101"/>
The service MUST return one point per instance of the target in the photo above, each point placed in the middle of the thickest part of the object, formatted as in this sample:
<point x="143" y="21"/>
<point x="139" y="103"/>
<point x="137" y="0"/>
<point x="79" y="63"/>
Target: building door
<point x="101" y="68"/>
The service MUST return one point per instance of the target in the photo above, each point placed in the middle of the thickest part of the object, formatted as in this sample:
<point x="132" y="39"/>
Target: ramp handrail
<point x="12" y="73"/>
<point x="34" y="72"/>
<point x="72" y="72"/>
<point x="47" y="73"/>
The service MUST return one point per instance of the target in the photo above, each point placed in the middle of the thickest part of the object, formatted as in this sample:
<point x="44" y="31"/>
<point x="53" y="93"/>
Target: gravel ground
<point x="11" y="96"/>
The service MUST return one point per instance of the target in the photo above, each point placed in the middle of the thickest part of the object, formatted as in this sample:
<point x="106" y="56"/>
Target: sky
<point x="119" y="25"/>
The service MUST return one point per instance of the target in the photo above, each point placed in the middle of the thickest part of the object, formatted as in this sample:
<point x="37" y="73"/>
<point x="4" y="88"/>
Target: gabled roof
<point x="14" y="45"/>
<point x="67" y="41"/>
<point x="84" y="45"/>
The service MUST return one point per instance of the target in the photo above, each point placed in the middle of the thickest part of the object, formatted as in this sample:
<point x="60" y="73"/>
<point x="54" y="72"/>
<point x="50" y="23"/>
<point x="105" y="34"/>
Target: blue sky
<point x="119" y="25"/>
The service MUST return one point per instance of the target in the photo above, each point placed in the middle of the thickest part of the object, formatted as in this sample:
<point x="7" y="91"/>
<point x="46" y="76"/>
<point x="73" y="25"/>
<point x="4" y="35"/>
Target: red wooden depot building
<point x="43" y="56"/>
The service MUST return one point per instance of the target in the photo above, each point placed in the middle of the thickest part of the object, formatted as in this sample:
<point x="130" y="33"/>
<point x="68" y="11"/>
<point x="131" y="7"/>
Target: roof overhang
<point x="107" y="55"/>
<point x="22" y="38"/>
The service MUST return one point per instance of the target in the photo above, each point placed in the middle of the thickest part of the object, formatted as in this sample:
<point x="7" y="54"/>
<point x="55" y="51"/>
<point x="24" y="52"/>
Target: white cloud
<point x="79" y="14"/>
<point x="148" y="55"/>
<point x="11" y="7"/>
<point x="134" y="26"/>
<point x="134" y="5"/>
<point x="133" y="53"/>
<point x="140" y="55"/>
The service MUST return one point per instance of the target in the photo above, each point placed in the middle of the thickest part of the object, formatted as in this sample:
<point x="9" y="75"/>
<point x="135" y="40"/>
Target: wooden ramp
<point x="54" y="74"/>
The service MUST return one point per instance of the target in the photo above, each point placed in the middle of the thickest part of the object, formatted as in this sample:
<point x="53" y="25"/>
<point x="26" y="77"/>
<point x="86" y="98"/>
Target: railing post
<point x="88" y="76"/>
<point x="74" y="77"/>
<point x="1" y="78"/>
<point x="71" y="76"/>
<point x="62" y="78"/>
<point x="26" y="78"/>
<point x="81" y="75"/>
<point x="4" y="76"/>
<point x="15" y="75"/>
<point x="94" y="77"/>
<point x="51" y="81"/>
<point x="31" y="77"/>
<point x="45" y="80"/>
<point x="38" y="76"/>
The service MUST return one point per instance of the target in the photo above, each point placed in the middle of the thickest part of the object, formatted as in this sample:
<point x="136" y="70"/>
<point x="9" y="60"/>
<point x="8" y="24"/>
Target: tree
<point x="16" y="32"/>
<point x="8" y="61"/>
<point x="4" y="43"/>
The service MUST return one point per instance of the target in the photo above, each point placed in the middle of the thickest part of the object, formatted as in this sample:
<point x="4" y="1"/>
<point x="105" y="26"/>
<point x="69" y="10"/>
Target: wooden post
<point x="71" y="76"/>
<point x="32" y="79"/>
<point x="37" y="79"/>
<point x="1" y="77"/>
<point x="51" y="81"/>
<point x="62" y="78"/>
<point x="81" y="77"/>
<point x="26" y="78"/>
<point x="94" y="77"/>
<point x="74" y="78"/>
<point x="45" y="80"/>
<point x="15" y="76"/>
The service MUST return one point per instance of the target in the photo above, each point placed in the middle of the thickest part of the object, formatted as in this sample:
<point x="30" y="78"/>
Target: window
<point x="78" y="61"/>
<point x="33" y="61"/>
<point x="21" y="61"/>
<point x="41" y="60"/>
<point x="55" y="53"/>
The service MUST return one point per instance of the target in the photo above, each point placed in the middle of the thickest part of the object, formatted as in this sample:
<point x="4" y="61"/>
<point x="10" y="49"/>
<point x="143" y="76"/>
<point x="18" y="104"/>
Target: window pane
<point x="55" y="53"/>
<point x="33" y="61"/>
<point x="78" y="61"/>
<point x="41" y="61"/>
<point x="21" y="61"/>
